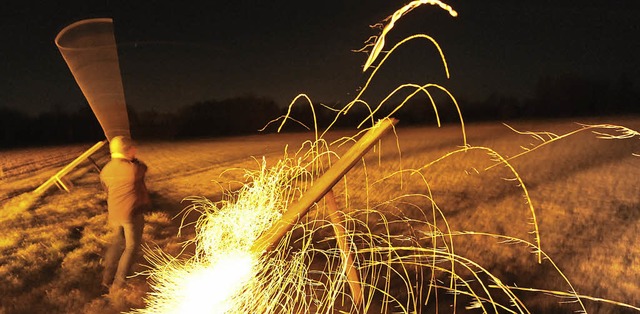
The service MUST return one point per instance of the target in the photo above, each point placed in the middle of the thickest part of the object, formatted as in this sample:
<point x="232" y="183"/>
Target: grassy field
<point x="584" y="190"/>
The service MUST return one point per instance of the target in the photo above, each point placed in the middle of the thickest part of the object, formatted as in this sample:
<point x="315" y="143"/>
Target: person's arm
<point x="144" y="198"/>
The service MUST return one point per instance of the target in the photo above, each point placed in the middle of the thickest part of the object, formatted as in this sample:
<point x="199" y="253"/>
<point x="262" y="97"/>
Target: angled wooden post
<point x="337" y="221"/>
<point x="58" y="180"/>
<point x="321" y="186"/>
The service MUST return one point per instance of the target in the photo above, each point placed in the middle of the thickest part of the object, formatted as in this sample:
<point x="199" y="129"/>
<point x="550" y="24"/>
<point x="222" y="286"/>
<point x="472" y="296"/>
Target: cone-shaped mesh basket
<point x="89" y="48"/>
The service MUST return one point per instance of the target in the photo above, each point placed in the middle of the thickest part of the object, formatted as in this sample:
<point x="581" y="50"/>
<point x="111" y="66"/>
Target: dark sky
<point x="172" y="54"/>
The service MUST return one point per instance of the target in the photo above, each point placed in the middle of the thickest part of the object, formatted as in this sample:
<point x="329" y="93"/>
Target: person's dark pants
<point x="118" y="262"/>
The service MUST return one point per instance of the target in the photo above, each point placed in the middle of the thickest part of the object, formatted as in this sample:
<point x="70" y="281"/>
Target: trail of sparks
<point x="211" y="279"/>
<point x="391" y="21"/>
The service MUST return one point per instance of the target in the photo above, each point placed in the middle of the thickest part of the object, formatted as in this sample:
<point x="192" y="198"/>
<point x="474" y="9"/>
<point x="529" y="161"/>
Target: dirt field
<point x="584" y="190"/>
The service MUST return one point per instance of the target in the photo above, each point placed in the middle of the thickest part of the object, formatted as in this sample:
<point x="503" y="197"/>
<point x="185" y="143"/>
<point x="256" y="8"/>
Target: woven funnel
<point x="89" y="48"/>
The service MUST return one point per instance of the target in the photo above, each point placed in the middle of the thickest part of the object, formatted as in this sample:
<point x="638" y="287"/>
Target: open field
<point x="585" y="192"/>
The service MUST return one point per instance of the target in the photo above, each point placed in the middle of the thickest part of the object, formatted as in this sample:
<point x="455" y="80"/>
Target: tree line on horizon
<point x="554" y="97"/>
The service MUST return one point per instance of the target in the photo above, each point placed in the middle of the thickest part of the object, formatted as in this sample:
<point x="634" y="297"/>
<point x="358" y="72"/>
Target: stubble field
<point x="584" y="190"/>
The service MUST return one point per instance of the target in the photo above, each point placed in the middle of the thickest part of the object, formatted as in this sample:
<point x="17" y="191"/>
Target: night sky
<point x="172" y="54"/>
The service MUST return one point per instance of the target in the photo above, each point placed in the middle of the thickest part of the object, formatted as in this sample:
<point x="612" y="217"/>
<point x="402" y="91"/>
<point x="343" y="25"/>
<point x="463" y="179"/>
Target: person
<point x="123" y="178"/>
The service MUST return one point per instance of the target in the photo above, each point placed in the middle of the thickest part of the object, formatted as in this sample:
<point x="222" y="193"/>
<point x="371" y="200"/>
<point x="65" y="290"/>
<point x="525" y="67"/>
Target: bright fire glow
<point x="222" y="266"/>
<point x="216" y="284"/>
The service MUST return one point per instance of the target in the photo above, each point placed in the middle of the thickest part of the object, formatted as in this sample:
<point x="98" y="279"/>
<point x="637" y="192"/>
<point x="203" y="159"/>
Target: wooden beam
<point x="321" y="186"/>
<point x="58" y="177"/>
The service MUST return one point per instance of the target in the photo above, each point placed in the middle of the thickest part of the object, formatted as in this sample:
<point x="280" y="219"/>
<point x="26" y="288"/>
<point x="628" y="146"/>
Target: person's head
<point x="122" y="145"/>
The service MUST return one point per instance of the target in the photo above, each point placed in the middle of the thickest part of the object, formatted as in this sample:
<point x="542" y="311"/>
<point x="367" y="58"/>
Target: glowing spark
<point x="546" y="138"/>
<point x="377" y="48"/>
<point x="562" y="294"/>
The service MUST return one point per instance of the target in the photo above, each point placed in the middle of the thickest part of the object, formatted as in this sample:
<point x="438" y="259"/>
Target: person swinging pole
<point x="127" y="200"/>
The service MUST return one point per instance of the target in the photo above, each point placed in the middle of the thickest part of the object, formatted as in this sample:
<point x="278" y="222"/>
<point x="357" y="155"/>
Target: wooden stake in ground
<point x="337" y="219"/>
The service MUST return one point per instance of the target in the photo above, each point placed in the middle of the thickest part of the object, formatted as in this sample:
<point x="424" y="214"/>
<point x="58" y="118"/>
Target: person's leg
<point x="114" y="249"/>
<point x="133" y="239"/>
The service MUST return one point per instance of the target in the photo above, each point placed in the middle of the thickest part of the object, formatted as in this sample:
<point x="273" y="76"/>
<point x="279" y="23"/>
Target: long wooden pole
<point x="57" y="178"/>
<point x="322" y="186"/>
